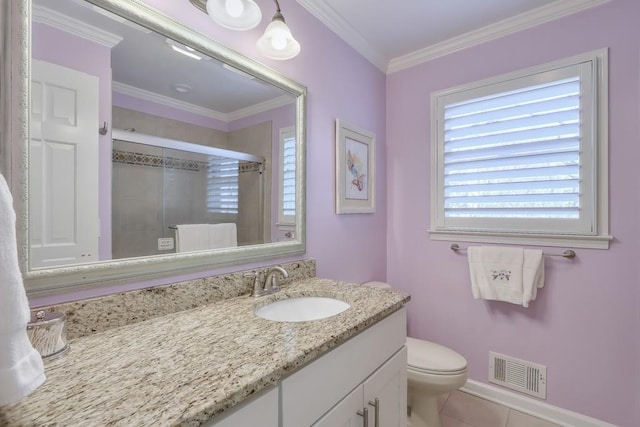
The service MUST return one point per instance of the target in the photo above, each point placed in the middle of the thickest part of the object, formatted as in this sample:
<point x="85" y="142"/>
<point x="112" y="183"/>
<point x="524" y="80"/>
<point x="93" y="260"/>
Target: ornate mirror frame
<point x="15" y="51"/>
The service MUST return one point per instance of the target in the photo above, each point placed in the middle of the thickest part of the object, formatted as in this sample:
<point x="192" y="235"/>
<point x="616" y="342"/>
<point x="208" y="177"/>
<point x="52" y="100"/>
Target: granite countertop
<point x="188" y="367"/>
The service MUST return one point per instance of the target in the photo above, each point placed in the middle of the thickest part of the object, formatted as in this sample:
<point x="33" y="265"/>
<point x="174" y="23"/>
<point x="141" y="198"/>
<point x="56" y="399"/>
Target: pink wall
<point x="149" y="107"/>
<point x="585" y="325"/>
<point x="341" y="84"/>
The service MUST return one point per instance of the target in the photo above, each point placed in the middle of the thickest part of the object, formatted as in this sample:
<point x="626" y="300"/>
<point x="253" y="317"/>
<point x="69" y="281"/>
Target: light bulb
<point x="234" y="8"/>
<point x="279" y="40"/>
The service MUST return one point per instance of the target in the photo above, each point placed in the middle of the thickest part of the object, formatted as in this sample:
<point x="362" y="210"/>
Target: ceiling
<point x="394" y="35"/>
<point x="145" y="67"/>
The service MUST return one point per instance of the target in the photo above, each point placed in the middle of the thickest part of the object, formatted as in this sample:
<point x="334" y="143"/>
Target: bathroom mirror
<point x="124" y="130"/>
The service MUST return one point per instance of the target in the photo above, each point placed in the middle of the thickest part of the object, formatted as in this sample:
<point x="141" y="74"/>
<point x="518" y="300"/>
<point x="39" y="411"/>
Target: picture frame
<point x="355" y="169"/>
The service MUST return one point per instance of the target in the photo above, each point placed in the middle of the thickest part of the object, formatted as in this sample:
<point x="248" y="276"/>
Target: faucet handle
<point x="257" y="287"/>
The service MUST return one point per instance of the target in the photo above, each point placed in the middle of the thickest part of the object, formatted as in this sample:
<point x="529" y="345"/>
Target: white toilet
<point x="432" y="370"/>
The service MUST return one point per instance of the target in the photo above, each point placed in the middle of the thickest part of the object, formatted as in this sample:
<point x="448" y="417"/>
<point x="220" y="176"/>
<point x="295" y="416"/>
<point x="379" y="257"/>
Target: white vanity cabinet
<point x="383" y="395"/>
<point x="335" y="389"/>
<point x="261" y="410"/>
<point x="332" y="390"/>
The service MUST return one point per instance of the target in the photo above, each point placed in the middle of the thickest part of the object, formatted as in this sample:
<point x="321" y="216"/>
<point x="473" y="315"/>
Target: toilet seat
<point x="435" y="359"/>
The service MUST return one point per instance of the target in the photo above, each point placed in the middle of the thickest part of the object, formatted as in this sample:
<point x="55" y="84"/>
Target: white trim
<point x="601" y="240"/>
<point x="336" y="23"/>
<point x="531" y="406"/>
<point x="280" y="101"/>
<point x="556" y="240"/>
<point x="145" y="95"/>
<point x="156" y="98"/>
<point x="343" y="29"/>
<point x="540" y="15"/>
<point x="46" y="16"/>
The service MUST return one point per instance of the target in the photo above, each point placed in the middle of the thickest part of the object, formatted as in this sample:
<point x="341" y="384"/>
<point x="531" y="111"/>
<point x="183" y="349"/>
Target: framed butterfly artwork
<point x="355" y="169"/>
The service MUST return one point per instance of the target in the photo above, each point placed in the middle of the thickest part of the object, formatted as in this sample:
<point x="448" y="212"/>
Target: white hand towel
<point x="533" y="275"/>
<point x="201" y="237"/>
<point x="21" y="367"/>
<point x="223" y="235"/>
<point x="506" y="274"/>
<point x="496" y="273"/>
<point x="192" y="237"/>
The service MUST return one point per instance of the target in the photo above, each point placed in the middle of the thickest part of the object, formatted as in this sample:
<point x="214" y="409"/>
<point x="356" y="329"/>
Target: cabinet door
<point x="345" y="413"/>
<point x="389" y="385"/>
<point x="261" y="410"/>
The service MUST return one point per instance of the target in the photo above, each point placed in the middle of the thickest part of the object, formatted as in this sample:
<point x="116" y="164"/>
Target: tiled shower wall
<point x="147" y="198"/>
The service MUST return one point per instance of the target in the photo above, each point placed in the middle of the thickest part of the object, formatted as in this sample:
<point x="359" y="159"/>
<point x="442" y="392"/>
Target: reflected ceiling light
<point x="239" y="15"/>
<point x="185" y="50"/>
<point x="277" y="41"/>
<point x="182" y="88"/>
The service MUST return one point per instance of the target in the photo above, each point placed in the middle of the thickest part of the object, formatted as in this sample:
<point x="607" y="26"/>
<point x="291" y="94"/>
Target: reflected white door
<point x="63" y="166"/>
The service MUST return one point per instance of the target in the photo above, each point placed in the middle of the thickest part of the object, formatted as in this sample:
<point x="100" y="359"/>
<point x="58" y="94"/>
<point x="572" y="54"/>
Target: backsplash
<point x="85" y="317"/>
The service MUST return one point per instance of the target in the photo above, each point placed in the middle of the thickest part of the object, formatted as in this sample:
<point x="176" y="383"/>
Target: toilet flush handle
<point x="376" y="405"/>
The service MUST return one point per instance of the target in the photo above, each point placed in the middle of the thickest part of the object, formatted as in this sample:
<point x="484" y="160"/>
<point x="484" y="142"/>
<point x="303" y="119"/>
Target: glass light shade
<point x="277" y="41"/>
<point x="239" y="15"/>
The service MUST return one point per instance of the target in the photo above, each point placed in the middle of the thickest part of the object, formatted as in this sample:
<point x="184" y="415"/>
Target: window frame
<point x="596" y="166"/>
<point x="285" y="222"/>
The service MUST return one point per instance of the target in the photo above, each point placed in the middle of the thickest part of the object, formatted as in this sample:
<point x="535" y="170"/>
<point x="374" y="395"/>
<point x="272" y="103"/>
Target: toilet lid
<point x="429" y="356"/>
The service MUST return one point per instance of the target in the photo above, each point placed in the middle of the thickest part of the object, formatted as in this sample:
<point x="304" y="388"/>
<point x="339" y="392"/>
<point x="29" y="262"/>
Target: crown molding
<point x="280" y="101"/>
<point x="145" y="95"/>
<point x="46" y="16"/>
<point x="338" y="25"/>
<point x="156" y="98"/>
<point x="502" y="28"/>
<point x="540" y="15"/>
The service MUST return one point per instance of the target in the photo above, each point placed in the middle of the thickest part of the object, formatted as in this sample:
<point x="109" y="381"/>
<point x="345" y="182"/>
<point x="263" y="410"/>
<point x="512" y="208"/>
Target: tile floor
<point x="460" y="409"/>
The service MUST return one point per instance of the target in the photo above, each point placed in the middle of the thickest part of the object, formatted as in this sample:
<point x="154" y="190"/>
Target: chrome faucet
<point x="271" y="281"/>
<point x="270" y="284"/>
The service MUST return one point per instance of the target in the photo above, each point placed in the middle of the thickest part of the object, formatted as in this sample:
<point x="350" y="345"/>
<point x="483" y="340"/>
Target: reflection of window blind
<point x="288" y="190"/>
<point x="222" y="185"/>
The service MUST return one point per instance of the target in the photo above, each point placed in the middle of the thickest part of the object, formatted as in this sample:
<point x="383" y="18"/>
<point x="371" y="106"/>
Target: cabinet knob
<point x="365" y="415"/>
<point x="376" y="405"/>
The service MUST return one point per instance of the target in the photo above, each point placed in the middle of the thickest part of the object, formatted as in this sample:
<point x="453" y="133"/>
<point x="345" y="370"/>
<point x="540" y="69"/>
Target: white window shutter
<point x="222" y="185"/>
<point x="523" y="154"/>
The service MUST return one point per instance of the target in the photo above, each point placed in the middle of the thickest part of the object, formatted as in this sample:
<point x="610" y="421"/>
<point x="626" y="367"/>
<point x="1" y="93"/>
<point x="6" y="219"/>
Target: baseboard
<point x="531" y="406"/>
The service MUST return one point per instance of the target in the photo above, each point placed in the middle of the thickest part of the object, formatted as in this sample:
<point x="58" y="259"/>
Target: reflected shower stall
<point x="159" y="183"/>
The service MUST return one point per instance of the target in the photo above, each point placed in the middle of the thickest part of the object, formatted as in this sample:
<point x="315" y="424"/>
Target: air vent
<point x="520" y="375"/>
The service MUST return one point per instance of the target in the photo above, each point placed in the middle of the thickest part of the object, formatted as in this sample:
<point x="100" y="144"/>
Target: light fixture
<point x="239" y="15"/>
<point x="277" y="41"/>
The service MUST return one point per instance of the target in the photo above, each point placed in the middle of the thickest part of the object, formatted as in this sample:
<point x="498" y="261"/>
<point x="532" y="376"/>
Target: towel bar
<point x="569" y="254"/>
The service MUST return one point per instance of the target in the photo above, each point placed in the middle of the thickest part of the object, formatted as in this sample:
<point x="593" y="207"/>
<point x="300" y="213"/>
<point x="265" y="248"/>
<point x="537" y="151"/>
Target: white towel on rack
<point x="532" y="275"/>
<point x="21" y="367"/>
<point x="192" y="237"/>
<point x="506" y="274"/>
<point x="201" y="237"/>
<point x="223" y="235"/>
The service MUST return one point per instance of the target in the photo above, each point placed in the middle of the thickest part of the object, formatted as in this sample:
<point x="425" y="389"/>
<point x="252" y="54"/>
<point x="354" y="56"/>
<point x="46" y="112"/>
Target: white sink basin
<point x="302" y="309"/>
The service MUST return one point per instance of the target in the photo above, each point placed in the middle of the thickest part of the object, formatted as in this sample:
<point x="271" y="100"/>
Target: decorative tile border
<point x="155" y="161"/>
<point x="249" y="167"/>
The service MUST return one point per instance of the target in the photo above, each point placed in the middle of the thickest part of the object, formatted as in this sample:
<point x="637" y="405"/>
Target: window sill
<point x="558" y="240"/>
<point x="286" y="227"/>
